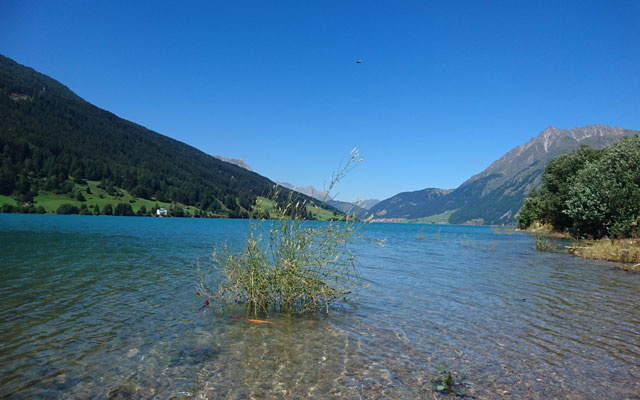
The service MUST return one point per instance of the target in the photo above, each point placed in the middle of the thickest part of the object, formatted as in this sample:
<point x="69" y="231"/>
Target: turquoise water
<point x="105" y="307"/>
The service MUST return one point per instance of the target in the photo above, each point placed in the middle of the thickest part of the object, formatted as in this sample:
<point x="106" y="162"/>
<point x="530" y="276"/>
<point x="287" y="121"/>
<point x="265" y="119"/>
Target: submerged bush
<point x="543" y="245"/>
<point x="288" y="265"/>
<point x="444" y="382"/>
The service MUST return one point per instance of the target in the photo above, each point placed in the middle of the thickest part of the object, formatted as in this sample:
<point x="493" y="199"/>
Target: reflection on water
<point x="105" y="307"/>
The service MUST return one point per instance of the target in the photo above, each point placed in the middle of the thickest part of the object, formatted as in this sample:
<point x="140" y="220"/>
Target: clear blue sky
<point x="443" y="89"/>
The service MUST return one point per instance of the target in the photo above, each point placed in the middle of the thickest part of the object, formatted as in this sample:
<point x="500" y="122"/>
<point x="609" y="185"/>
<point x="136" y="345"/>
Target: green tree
<point x="123" y="209"/>
<point x="214" y="206"/>
<point x="67" y="209"/>
<point x="8" y="178"/>
<point x="108" y="209"/>
<point x="604" y="198"/>
<point x="530" y="211"/>
<point x="67" y="186"/>
<point x="230" y="202"/>
<point x="7" y="208"/>
<point x="23" y="185"/>
<point x="556" y="182"/>
<point x="548" y="204"/>
<point x="176" y="211"/>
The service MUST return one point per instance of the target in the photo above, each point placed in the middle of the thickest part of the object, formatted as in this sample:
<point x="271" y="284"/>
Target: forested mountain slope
<point x="51" y="138"/>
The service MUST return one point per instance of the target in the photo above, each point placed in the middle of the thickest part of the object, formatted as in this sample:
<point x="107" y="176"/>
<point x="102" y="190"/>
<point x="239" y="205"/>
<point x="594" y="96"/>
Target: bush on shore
<point x="589" y="193"/>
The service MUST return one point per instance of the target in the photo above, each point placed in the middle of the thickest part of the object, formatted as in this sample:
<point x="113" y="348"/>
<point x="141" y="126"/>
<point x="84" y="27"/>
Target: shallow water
<point x="105" y="307"/>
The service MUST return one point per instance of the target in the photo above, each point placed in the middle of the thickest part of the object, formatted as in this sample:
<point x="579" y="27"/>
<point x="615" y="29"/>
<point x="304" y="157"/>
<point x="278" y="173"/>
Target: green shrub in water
<point x="289" y="265"/>
<point x="543" y="245"/>
<point x="444" y="382"/>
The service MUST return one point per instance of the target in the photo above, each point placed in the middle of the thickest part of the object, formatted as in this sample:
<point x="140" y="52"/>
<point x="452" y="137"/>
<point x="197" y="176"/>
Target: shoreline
<point x="623" y="251"/>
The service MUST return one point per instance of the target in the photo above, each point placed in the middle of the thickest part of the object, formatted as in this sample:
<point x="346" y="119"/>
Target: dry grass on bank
<point x="621" y="250"/>
<point x="547" y="231"/>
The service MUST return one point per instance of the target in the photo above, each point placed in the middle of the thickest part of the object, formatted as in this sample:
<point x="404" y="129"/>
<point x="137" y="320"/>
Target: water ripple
<point x="104" y="307"/>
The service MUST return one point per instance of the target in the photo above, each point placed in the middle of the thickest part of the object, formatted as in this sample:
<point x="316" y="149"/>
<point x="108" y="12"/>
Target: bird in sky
<point x="359" y="62"/>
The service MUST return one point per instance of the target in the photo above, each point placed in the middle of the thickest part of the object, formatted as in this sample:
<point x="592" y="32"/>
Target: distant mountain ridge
<point x="368" y="204"/>
<point x="495" y="195"/>
<point x="355" y="210"/>
<point x="549" y="144"/>
<point x="307" y="190"/>
<point x="235" y="161"/>
<point x="359" y="209"/>
<point x="410" y="205"/>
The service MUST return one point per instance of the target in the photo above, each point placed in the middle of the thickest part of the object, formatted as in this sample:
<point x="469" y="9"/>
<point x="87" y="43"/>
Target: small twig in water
<point x="206" y="303"/>
<point x="256" y="321"/>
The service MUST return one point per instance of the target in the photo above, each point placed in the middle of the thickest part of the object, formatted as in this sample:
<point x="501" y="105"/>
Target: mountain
<point x="495" y="195"/>
<point x="412" y="205"/>
<point x="307" y="190"/>
<point x="360" y="209"/>
<point x="235" y="161"/>
<point x="368" y="203"/>
<point x="52" y="141"/>
<point x="349" y="208"/>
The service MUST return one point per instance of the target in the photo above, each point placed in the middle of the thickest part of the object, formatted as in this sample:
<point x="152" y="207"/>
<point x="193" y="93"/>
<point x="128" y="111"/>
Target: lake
<point x="106" y="307"/>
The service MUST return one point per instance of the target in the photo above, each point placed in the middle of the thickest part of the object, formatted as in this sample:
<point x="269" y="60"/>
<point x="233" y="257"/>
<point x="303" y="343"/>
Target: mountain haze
<point x="359" y="209"/>
<point x="351" y="209"/>
<point x="307" y="190"/>
<point x="368" y="204"/>
<point x="495" y="195"/>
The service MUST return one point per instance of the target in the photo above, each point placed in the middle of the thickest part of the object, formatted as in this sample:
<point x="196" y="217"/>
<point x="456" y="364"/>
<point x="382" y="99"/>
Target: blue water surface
<point x="96" y="306"/>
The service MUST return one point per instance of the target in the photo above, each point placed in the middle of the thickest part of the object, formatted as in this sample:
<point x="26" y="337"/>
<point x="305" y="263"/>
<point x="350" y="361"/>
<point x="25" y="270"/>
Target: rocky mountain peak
<point x="548" y="142"/>
<point x="308" y="190"/>
<point x="547" y="137"/>
<point x="235" y="161"/>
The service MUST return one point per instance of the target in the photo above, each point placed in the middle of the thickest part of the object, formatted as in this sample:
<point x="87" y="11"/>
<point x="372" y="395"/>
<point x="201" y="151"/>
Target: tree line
<point x="589" y="193"/>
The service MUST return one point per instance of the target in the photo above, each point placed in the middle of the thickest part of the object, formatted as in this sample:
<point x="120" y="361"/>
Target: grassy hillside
<point x="89" y="198"/>
<point x="265" y="207"/>
<point x="442" y="218"/>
